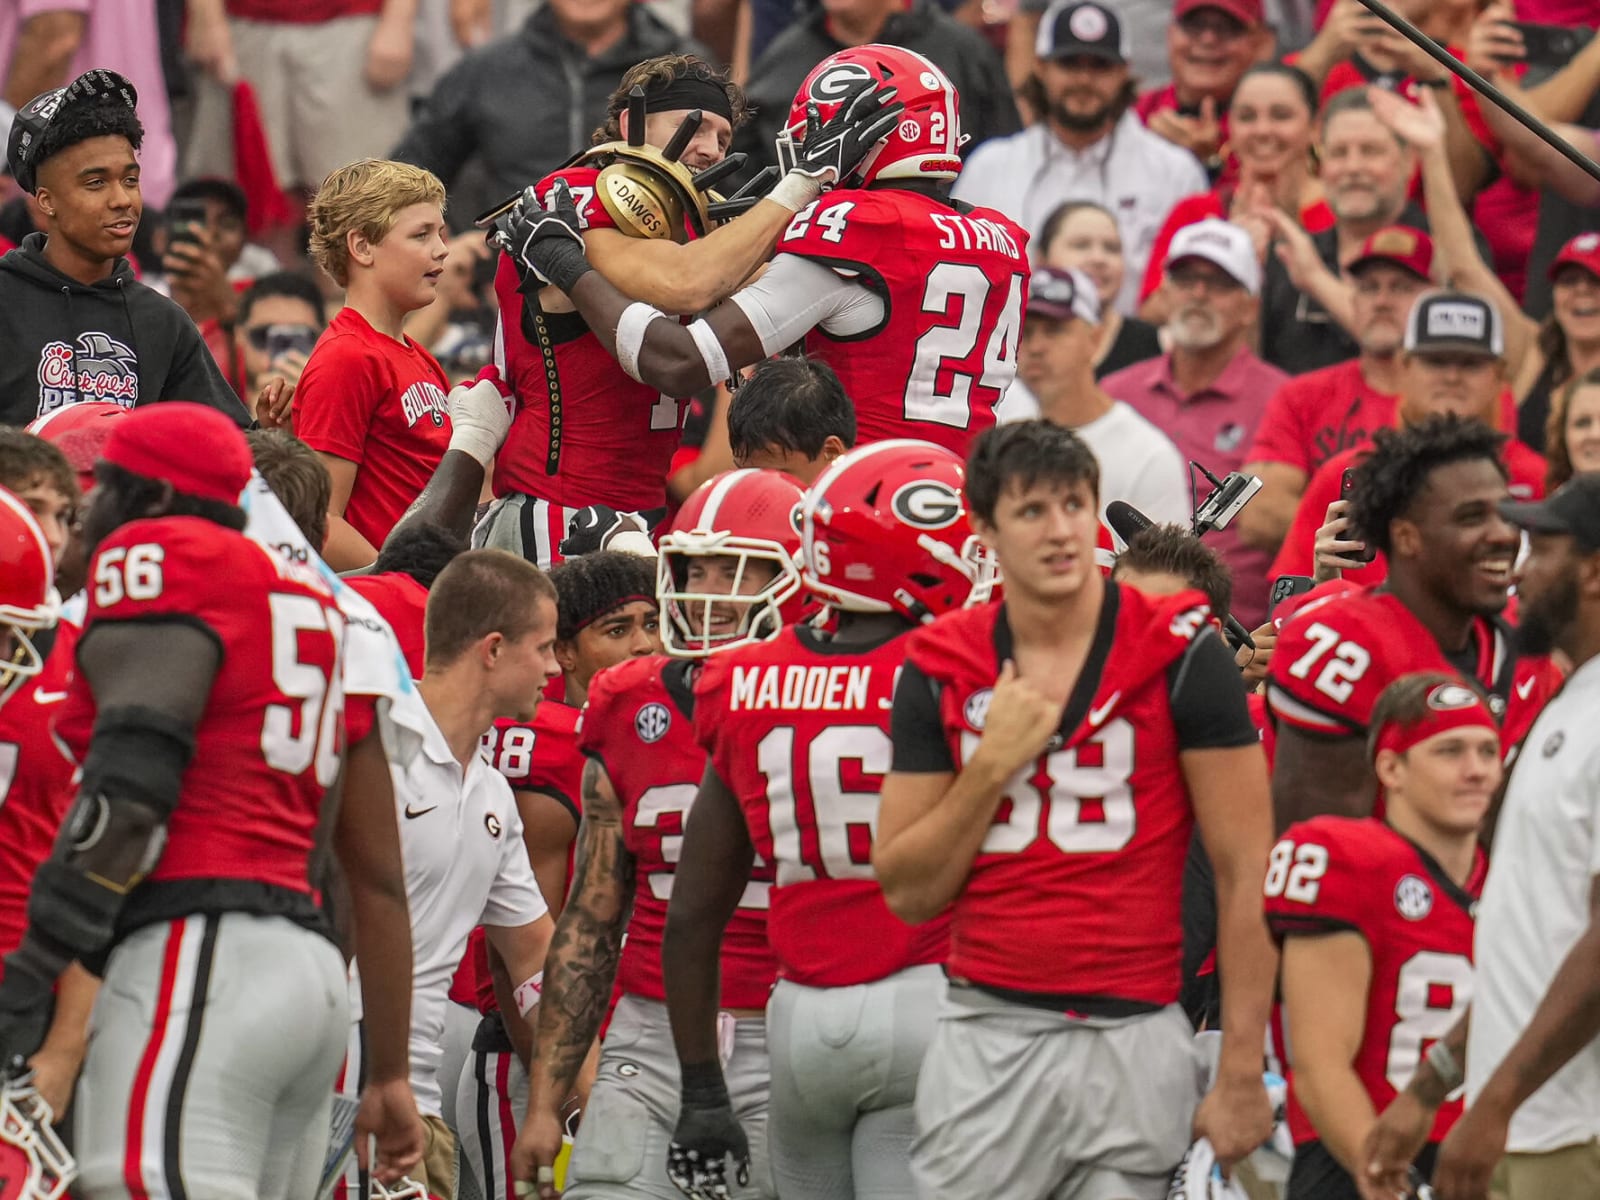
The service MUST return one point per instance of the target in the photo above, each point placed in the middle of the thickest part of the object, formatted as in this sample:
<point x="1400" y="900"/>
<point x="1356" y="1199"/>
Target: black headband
<point x="689" y="92"/>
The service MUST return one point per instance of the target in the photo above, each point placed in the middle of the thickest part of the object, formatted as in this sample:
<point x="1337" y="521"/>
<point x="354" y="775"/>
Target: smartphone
<point x="1287" y="587"/>
<point x="185" y="219"/>
<point x="1550" y="45"/>
<point x="1346" y="487"/>
<point x="286" y="339"/>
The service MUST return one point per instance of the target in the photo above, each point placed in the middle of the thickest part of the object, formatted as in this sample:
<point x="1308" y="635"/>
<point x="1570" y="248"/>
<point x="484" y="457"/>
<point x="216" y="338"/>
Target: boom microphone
<point x="1127" y="522"/>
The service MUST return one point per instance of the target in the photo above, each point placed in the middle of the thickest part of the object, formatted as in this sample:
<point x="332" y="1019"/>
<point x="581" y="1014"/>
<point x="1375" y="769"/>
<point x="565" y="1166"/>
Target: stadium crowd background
<point x="1240" y="213"/>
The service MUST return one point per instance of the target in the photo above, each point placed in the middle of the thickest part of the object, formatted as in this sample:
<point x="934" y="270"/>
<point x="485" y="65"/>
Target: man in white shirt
<point x="1055" y="380"/>
<point x="1087" y="143"/>
<point x="1532" y="1043"/>
<point x="490" y="634"/>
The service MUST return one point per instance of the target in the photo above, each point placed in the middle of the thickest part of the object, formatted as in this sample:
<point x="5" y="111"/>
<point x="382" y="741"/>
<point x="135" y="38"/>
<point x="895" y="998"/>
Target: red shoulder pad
<point x="580" y="182"/>
<point x="613" y="701"/>
<point x="955" y="642"/>
<point x="1329" y="667"/>
<point x="1320" y="875"/>
<point x="168" y="565"/>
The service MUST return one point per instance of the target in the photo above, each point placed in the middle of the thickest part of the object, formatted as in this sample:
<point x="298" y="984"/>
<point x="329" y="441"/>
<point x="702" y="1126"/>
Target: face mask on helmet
<point x="405" y="1189"/>
<point x="927" y="142"/>
<point x="726" y="573"/>
<point x="986" y="579"/>
<point x="34" y="1165"/>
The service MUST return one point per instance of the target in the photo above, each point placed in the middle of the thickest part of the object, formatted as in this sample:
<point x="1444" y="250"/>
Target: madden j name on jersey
<point x="969" y="233"/>
<point x="826" y="689"/>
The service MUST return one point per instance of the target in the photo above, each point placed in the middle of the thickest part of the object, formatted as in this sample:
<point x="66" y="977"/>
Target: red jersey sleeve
<point x="1314" y="880"/>
<point x="341" y="388"/>
<point x="580" y="182"/>
<point x="1321" y="679"/>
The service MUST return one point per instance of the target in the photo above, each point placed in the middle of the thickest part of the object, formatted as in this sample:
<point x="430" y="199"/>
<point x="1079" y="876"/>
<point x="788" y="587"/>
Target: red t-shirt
<point x="1319" y="414"/>
<point x="380" y="404"/>
<point x="1297" y="555"/>
<point x="403" y="602"/>
<point x="1314" y="218"/>
<point x="302" y="12"/>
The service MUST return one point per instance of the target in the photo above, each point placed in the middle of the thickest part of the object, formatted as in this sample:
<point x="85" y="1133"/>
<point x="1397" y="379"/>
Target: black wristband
<point x="704" y="1086"/>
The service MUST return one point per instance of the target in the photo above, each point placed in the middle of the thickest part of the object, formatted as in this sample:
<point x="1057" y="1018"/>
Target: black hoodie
<point x="116" y="340"/>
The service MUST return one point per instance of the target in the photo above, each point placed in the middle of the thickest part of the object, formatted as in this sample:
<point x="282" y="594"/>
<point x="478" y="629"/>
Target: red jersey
<point x="1343" y="646"/>
<point x="264" y="754"/>
<point x="639" y="726"/>
<point x="1073" y="900"/>
<point x="1320" y="414"/>
<point x="952" y="282"/>
<point x="403" y="603"/>
<point x="1297" y="555"/>
<point x="541" y="755"/>
<point x="36" y="787"/>
<point x="567" y="440"/>
<point x="798" y="728"/>
<point x="1334" y="874"/>
<point x="380" y="404"/>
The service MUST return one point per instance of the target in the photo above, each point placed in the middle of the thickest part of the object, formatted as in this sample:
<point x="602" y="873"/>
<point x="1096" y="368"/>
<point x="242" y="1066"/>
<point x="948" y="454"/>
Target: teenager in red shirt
<point x="371" y="401"/>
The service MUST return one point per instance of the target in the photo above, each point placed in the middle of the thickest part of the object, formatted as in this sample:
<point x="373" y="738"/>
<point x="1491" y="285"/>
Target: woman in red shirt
<point x="1272" y="124"/>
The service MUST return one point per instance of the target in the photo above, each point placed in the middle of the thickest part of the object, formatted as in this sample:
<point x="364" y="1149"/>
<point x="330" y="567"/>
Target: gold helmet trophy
<point x="649" y="193"/>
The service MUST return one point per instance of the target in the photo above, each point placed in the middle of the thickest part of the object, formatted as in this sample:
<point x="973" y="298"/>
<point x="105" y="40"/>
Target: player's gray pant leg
<point x="213" y="1050"/>
<point x="844" y="1078"/>
<point x="491" y="1098"/>
<point x="621" y="1147"/>
<point x="1033" y="1105"/>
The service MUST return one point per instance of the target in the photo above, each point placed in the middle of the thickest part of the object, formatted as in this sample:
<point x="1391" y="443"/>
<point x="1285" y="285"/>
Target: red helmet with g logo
<point x="884" y="529"/>
<point x="28" y="599"/>
<point x="926" y="143"/>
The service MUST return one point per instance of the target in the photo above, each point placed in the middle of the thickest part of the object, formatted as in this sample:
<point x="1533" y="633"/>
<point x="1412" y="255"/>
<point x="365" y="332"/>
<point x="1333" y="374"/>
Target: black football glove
<point x="842" y="142"/>
<point x="596" y="527"/>
<point x="706" y="1136"/>
<point x="546" y="243"/>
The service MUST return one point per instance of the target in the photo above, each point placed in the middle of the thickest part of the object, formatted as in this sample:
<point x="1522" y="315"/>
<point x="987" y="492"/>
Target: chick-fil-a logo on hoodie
<point x="96" y="367"/>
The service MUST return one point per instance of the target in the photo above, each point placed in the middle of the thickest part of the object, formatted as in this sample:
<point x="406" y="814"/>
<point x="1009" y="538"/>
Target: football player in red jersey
<point x="914" y="300"/>
<point x="1376" y="921"/>
<point x="576" y="412"/>
<point x="727" y="578"/>
<point x="1053" y="754"/>
<point x="606" y="614"/>
<point x="181" y="884"/>
<point x="797" y="735"/>
<point x="1426" y="497"/>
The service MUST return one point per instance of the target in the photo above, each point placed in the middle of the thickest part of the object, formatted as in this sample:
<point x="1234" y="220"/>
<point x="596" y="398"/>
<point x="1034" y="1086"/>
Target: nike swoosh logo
<point x="1524" y="688"/>
<point x="421" y="812"/>
<point x="1096" y="715"/>
<point x="52" y="697"/>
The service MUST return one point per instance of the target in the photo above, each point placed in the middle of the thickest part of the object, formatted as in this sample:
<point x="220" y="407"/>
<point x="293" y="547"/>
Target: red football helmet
<point x="926" y="143"/>
<point x="28" y="598"/>
<point x="744" y="516"/>
<point x="884" y="529"/>
<point x="79" y="431"/>
<point x="34" y="1165"/>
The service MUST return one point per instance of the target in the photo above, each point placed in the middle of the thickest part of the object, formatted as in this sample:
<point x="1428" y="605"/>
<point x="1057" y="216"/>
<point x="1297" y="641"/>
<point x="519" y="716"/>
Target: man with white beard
<point x="1208" y="392"/>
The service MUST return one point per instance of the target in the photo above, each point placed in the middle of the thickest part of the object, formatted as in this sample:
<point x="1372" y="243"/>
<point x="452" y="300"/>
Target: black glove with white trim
<point x="839" y="145"/>
<point x="706" y="1136"/>
<point x="547" y="243"/>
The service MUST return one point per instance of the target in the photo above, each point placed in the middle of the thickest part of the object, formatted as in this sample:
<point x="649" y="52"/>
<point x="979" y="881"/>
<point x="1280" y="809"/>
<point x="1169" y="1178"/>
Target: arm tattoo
<point x="587" y="943"/>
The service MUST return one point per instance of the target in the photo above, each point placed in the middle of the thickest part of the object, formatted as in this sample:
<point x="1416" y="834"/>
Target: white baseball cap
<point x="1222" y="243"/>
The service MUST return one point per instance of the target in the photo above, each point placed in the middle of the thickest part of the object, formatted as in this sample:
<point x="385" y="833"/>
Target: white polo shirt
<point x="1137" y="175"/>
<point x="466" y="865"/>
<point x="1535" y="906"/>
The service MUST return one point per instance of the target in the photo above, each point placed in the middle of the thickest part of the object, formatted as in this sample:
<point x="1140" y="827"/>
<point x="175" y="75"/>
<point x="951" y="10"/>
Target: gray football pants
<point x="621" y="1148"/>
<point x="213" y="1050"/>
<point x="844" y="1082"/>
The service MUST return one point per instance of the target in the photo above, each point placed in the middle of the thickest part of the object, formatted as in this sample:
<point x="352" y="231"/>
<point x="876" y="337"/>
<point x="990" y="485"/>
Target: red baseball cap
<point x="1246" y="12"/>
<point x="1583" y="250"/>
<point x="1400" y="245"/>
<point x="194" y="448"/>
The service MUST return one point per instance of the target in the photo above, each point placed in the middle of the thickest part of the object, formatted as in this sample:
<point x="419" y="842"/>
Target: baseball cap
<point x="1063" y="294"/>
<point x="1073" y="27"/>
<point x="1222" y="243"/>
<point x="194" y="448"/>
<point x="1246" y="12"/>
<point x="1573" y="508"/>
<point x="1454" y="321"/>
<point x="33" y="118"/>
<point x="1583" y="250"/>
<point x="1400" y="245"/>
